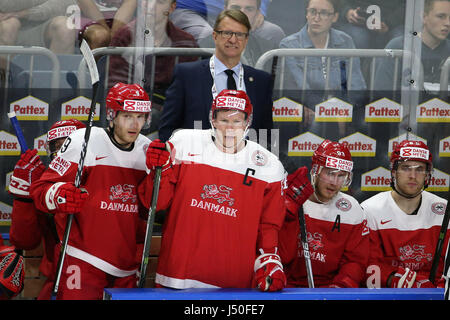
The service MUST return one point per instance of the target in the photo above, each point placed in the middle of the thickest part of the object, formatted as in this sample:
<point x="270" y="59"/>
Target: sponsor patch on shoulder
<point x="60" y="165"/>
<point x="259" y="158"/>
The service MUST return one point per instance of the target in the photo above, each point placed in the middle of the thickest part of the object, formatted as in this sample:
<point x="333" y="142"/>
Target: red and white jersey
<point x="221" y="208"/>
<point x="104" y="232"/>
<point x="401" y="240"/>
<point x="338" y="240"/>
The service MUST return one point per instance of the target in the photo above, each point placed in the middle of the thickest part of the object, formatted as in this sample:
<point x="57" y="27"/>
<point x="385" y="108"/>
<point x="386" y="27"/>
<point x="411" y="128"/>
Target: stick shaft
<point x="306" y="254"/>
<point x="23" y="144"/>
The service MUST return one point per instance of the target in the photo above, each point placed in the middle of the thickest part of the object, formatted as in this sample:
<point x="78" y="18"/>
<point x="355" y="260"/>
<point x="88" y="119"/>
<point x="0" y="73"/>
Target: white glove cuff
<point x="50" y="195"/>
<point x="266" y="258"/>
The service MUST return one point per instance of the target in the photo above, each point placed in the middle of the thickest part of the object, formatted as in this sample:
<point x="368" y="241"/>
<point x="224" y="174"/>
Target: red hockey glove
<point x="299" y="189"/>
<point x="29" y="168"/>
<point x="11" y="272"/>
<point x="406" y="278"/>
<point x="269" y="274"/>
<point x="158" y="155"/>
<point x="65" y="197"/>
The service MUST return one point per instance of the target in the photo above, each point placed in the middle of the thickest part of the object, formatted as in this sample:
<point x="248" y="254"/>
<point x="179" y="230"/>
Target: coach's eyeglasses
<point x="225" y="34"/>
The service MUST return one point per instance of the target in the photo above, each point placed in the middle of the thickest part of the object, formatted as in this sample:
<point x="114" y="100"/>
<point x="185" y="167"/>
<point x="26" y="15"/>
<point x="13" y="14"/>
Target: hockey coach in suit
<point x="195" y="84"/>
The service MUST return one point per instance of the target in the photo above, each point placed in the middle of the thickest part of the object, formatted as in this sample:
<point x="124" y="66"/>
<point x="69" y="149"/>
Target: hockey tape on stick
<point x="23" y="144"/>
<point x="306" y="253"/>
<point x="440" y="242"/>
<point x="90" y="61"/>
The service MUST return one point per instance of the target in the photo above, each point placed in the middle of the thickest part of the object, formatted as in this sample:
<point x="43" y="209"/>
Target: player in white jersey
<point x="102" y="246"/>
<point x="224" y="200"/>
<point x="405" y="222"/>
<point x="336" y="225"/>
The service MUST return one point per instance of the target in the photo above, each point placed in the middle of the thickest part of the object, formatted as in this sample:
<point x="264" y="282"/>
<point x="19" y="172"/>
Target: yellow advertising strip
<point x="32" y="118"/>
<point x="434" y="120"/>
<point x="444" y="154"/>
<point x="382" y="119"/>
<point x="287" y="119"/>
<point x="437" y="189"/>
<point x="362" y="154"/>
<point x="300" y="154"/>
<point x="333" y="119"/>
<point x="10" y="153"/>
<point x="81" y="118"/>
<point x="379" y="188"/>
<point x="5" y="223"/>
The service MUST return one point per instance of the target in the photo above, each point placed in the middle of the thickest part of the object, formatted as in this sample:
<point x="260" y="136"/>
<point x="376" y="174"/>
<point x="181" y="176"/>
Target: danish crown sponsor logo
<point x="360" y="145"/>
<point x="121" y="195"/>
<point x="137" y="106"/>
<point x="434" y="110"/>
<point x="339" y="164"/>
<point x="284" y="110"/>
<point x="334" y="110"/>
<point x="60" y="165"/>
<point x="304" y="144"/>
<point x="343" y="204"/>
<point x="222" y="201"/>
<point x="438" y="208"/>
<point x="439" y="181"/>
<point x="378" y="179"/>
<point x="30" y="108"/>
<point x="5" y="214"/>
<point x="394" y="142"/>
<point x="9" y="145"/>
<point x="230" y="102"/>
<point x="383" y="110"/>
<point x="78" y="108"/>
<point x="414" y="252"/>
<point x="414" y="152"/>
<point x="444" y="147"/>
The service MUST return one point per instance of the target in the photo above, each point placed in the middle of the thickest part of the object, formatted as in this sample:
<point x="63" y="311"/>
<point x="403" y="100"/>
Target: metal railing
<point x="14" y="50"/>
<point x="130" y="51"/>
<point x="329" y="53"/>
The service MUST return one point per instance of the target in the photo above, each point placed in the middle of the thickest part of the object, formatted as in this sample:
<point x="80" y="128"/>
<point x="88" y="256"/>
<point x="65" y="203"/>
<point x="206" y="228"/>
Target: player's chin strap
<point x="313" y="183"/>
<point x="110" y="132"/>
<point x="404" y="195"/>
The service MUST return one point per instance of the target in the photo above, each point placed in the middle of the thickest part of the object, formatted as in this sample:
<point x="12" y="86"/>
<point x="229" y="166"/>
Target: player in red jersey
<point x="224" y="200"/>
<point x="29" y="226"/>
<point x="102" y="246"/>
<point x="405" y="222"/>
<point x="337" y="234"/>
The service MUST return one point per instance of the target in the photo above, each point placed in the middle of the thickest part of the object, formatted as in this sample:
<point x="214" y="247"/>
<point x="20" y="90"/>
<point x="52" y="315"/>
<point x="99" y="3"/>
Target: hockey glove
<point x="65" y="197"/>
<point x="28" y="169"/>
<point x="406" y="278"/>
<point x="269" y="274"/>
<point x="11" y="272"/>
<point x="299" y="189"/>
<point x="159" y="156"/>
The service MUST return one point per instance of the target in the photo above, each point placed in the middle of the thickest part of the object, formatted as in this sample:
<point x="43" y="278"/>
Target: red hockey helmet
<point x="232" y="100"/>
<point x="128" y="97"/>
<point x="411" y="150"/>
<point x="61" y="129"/>
<point x="332" y="155"/>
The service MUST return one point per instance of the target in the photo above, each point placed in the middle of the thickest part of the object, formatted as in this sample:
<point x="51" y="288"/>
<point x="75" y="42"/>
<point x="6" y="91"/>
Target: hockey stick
<point x="23" y="144"/>
<point x="89" y="58"/>
<point x="440" y="242"/>
<point x="304" y="239"/>
<point x="149" y="230"/>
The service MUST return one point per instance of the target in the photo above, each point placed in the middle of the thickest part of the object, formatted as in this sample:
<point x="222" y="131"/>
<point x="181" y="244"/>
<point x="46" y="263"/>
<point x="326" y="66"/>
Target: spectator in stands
<point x="364" y="30"/>
<point x="194" y="84"/>
<point x="165" y="34"/>
<point x="318" y="34"/>
<point x="435" y="49"/>
<point x="40" y="23"/>
<point x="103" y="18"/>
<point x="198" y="16"/>
<point x="264" y="35"/>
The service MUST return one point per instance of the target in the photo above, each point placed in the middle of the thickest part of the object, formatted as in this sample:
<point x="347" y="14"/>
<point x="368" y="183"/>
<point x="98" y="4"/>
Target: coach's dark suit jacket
<point x="189" y="98"/>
